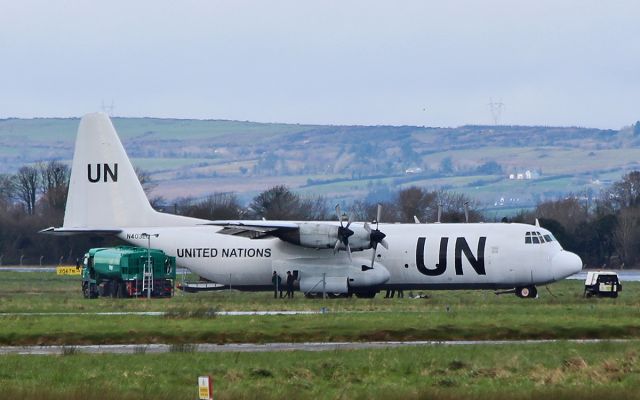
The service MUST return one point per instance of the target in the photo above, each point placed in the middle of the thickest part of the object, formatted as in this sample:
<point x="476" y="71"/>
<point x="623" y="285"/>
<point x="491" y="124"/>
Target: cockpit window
<point x="537" y="238"/>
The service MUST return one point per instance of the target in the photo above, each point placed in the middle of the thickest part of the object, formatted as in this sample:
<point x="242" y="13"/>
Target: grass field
<point x="555" y="370"/>
<point x="562" y="370"/>
<point x="191" y="318"/>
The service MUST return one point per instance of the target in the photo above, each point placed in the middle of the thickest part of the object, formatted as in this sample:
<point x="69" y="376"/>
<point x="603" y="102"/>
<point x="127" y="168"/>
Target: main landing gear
<point x="524" y="292"/>
<point x="527" y="292"/>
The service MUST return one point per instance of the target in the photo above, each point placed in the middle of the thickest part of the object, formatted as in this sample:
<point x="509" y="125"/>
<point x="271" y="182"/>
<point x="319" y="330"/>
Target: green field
<point x="550" y="371"/>
<point x="192" y="318"/>
<point x="527" y="371"/>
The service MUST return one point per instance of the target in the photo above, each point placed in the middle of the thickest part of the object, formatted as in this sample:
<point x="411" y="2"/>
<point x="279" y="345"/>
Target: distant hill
<point x="197" y="157"/>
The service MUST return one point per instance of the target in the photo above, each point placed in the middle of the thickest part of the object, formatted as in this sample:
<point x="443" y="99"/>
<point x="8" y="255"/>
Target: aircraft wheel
<point x="527" y="292"/>
<point x="366" y="295"/>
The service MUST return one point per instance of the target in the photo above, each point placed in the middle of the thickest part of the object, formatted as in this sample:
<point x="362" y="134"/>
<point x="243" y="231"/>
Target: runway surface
<point x="159" y="313"/>
<point x="268" y="347"/>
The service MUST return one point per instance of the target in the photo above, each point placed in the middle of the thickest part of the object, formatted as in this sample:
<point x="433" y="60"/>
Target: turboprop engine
<point x="354" y="237"/>
<point x="325" y="236"/>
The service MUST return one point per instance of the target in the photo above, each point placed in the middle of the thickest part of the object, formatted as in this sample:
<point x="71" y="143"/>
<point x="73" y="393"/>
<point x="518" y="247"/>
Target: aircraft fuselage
<point x="420" y="256"/>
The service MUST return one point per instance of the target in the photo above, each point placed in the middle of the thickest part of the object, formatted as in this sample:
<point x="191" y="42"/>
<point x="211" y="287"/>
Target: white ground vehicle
<point x="602" y="283"/>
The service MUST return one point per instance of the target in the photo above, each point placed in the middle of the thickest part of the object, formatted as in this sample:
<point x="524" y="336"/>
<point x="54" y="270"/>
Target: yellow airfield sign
<point x="205" y="388"/>
<point x="68" y="271"/>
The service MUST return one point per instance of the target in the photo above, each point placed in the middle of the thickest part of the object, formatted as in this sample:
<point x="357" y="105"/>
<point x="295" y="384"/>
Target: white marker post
<point x="205" y="388"/>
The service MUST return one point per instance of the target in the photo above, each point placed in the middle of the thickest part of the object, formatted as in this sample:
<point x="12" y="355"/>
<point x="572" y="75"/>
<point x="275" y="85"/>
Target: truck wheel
<point x="93" y="291"/>
<point x="122" y="290"/>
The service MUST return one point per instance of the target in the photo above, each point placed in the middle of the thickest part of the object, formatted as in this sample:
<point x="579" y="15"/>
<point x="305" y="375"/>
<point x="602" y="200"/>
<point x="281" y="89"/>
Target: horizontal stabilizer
<point x="79" y="231"/>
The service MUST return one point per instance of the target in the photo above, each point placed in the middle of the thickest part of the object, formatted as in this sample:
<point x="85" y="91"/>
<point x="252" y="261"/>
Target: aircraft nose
<point x="565" y="264"/>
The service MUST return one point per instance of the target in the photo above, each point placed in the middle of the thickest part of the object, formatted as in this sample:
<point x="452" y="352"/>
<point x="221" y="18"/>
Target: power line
<point x="108" y="108"/>
<point x="496" y="108"/>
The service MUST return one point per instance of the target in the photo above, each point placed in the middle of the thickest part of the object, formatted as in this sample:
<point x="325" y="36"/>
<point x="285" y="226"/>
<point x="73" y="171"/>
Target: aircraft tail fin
<point x="104" y="191"/>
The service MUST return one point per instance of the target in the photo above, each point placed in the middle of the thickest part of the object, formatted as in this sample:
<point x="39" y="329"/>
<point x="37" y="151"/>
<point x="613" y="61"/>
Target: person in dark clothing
<point x="277" y="284"/>
<point x="290" y="279"/>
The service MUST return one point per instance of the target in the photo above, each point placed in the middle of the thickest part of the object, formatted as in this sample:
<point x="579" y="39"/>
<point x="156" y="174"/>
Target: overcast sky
<point x="433" y="63"/>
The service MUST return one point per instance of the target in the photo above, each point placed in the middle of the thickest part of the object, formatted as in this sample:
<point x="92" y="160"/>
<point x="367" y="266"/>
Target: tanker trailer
<point x="125" y="271"/>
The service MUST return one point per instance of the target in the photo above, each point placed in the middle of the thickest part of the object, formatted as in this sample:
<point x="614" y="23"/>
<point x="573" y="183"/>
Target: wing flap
<point x="255" y="229"/>
<point x="251" y="232"/>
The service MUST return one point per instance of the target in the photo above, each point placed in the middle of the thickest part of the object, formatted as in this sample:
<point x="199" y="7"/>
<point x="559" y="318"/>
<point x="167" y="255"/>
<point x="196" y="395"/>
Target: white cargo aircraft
<point x="105" y="197"/>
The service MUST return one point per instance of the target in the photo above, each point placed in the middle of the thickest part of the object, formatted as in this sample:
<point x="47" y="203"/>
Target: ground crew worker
<point x="277" y="284"/>
<point x="290" y="280"/>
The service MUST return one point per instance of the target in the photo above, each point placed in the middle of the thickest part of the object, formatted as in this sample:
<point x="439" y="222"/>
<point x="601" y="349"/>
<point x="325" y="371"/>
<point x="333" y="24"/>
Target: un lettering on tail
<point x="104" y="172"/>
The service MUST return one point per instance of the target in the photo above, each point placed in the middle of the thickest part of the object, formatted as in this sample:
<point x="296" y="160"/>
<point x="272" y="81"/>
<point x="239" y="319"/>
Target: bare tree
<point x="359" y="211"/>
<point x="6" y="190"/>
<point x="415" y="201"/>
<point x="26" y="184"/>
<point x="145" y="180"/>
<point x="316" y="208"/>
<point x="54" y="176"/>
<point x="278" y="203"/>
<point x="626" y="235"/>
<point x="568" y="212"/>
<point x="215" y="206"/>
<point x="454" y="205"/>
<point x="625" y="192"/>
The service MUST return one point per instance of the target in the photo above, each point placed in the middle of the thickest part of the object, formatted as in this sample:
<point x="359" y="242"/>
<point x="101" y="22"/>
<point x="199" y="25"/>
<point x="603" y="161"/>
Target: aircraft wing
<point x="310" y="234"/>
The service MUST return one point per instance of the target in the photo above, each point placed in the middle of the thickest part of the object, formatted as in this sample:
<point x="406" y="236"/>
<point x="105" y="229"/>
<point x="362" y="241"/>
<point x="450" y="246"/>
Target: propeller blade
<point x="350" y="220"/>
<point x="378" y="215"/>
<point x="349" y="253"/>
<point x="336" y="247"/>
<point x="367" y="228"/>
<point x="384" y="244"/>
<point x="373" y="255"/>
<point x="338" y="214"/>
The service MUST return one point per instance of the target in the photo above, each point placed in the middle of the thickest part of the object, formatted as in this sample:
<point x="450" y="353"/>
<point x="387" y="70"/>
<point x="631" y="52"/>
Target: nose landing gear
<point x="527" y="292"/>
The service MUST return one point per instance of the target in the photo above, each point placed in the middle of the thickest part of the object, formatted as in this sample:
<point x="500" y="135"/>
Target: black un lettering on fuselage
<point x="477" y="263"/>
<point x="103" y="172"/>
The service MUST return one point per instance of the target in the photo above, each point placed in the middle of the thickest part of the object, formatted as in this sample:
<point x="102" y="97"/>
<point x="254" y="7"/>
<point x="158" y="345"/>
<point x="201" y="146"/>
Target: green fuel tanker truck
<point x="127" y="272"/>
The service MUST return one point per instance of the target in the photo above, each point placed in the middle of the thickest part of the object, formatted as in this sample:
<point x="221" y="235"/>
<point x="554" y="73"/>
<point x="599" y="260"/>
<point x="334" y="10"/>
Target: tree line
<point x="605" y="232"/>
